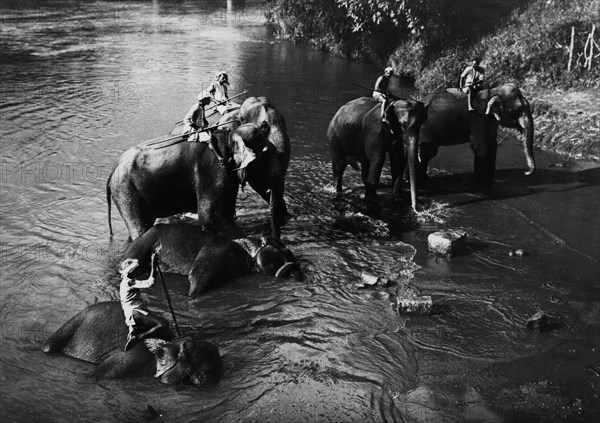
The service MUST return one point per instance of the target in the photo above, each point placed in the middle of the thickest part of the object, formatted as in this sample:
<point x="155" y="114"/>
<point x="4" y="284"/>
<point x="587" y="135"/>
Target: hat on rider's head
<point x="128" y="265"/>
<point x="224" y="74"/>
<point x="389" y="69"/>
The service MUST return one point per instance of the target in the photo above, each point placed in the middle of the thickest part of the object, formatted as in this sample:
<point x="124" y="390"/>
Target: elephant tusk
<point x="285" y="269"/>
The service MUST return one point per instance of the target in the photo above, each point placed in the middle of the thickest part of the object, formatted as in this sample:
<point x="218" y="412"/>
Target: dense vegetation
<point x="431" y="40"/>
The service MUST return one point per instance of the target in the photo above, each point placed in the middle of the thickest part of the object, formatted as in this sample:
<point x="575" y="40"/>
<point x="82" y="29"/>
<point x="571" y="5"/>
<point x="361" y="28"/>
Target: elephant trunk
<point x="526" y="122"/>
<point x="412" y="142"/>
<point x="277" y="203"/>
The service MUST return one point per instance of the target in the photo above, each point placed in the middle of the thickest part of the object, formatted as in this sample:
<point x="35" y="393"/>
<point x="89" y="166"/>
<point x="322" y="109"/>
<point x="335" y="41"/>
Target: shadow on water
<point x="509" y="183"/>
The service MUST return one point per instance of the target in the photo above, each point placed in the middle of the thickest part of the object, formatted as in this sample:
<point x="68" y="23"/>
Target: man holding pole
<point x="195" y="120"/>
<point x="218" y="91"/>
<point x="381" y="93"/>
<point x="140" y="321"/>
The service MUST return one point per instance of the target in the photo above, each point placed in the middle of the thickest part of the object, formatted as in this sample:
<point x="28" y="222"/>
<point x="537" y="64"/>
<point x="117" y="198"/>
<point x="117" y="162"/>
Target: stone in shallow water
<point x="539" y="321"/>
<point x="447" y="242"/>
<point x="371" y="281"/>
<point x="414" y="305"/>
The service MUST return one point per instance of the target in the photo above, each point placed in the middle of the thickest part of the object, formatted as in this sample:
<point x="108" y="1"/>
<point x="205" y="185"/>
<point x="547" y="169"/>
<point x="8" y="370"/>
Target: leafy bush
<point x="531" y="49"/>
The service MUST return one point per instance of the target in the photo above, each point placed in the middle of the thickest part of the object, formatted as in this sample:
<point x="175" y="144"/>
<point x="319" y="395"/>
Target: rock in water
<point x="371" y="281"/>
<point x="414" y="305"/>
<point x="447" y="242"/>
<point x="539" y="321"/>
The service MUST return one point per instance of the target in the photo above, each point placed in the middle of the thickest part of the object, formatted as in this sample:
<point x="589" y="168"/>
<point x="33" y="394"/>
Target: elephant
<point x="356" y="134"/>
<point x="160" y="180"/>
<point x="449" y="123"/>
<point x="209" y="258"/>
<point x="97" y="334"/>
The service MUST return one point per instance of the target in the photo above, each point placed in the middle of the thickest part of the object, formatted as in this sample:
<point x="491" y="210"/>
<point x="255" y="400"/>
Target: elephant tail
<point x="108" y="201"/>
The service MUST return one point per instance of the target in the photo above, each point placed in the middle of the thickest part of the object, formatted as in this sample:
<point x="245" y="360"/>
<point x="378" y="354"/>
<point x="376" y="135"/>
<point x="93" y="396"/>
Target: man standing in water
<point x="140" y="321"/>
<point x="381" y="93"/>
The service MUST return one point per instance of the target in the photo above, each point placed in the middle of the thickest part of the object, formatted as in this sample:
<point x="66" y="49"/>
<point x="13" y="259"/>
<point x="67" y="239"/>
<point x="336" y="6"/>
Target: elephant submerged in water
<point x="357" y="134"/>
<point x="208" y="258"/>
<point x="160" y="180"/>
<point x="449" y="123"/>
<point x="98" y="333"/>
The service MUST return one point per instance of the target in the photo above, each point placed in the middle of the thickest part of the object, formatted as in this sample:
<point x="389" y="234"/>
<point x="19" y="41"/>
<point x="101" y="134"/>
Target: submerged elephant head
<point x="272" y="258"/>
<point x="185" y="361"/>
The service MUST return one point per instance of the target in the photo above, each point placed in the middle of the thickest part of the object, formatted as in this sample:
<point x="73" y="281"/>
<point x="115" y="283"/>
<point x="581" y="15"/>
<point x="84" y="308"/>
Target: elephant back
<point x="99" y="332"/>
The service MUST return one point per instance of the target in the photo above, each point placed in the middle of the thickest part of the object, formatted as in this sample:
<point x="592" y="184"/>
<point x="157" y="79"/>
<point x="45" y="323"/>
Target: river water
<point x="83" y="81"/>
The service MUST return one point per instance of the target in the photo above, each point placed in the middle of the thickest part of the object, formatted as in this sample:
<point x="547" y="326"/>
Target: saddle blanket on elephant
<point x="456" y="92"/>
<point x="203" y="136"/>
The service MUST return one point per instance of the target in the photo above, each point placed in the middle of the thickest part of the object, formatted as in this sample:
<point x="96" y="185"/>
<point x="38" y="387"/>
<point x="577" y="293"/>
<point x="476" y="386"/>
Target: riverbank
<point x="567" y="121"/>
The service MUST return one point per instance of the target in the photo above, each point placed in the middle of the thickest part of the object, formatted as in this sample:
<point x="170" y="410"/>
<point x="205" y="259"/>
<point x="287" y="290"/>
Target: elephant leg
<point x="427" y="151"/>
<point x="397" y="166"/>
<point x="338" y="164"/>
<point x="137" y="220"/>
<point x="374" y="174"/>
<point x="484" y="146"/>
<point x="263" y="189"/>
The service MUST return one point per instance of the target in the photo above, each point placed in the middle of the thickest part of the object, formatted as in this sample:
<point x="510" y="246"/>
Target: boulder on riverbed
<point x="447" y="242"/>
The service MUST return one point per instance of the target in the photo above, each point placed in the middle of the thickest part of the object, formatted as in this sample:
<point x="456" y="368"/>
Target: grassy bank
<point x="526" y="42"/>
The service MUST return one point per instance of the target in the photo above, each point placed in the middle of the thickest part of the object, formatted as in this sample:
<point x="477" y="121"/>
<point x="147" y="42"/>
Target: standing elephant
<point x="208" y="258"/>
<point x="257" y="110"/>
<point x="152" y="181"/>
<point x="449" y="123"/>
<point x="357" y="134"/>
<point x="98" y="333"/>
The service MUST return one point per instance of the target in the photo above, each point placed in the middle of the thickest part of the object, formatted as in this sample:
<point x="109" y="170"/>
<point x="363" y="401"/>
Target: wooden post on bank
<point x="571" y="48"/>
<point x="591" y="40"/>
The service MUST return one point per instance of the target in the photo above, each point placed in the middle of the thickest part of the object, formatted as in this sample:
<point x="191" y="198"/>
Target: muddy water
<point x="81" y="82"/>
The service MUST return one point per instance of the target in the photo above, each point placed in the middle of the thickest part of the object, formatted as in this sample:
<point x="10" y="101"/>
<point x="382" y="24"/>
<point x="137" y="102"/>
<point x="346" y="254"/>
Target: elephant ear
<point x="495" y="106"/>
<point x="164" y="353"/>
<point x="242" y="156"/>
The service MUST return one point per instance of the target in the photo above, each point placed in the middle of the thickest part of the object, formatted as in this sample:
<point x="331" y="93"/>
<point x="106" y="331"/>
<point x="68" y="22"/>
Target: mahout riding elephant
<point x="208" y="258"/>
<point x="449" y="123"/>
<point x="160" y="180"/>
<point x="98" y="334"/>
<point x="357" y="134"/>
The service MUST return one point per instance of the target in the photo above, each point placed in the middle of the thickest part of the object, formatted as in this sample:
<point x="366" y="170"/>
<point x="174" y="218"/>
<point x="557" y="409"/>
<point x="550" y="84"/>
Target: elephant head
<point x="255" y="161"/>
<point x="185" y="361"/>
<point x="98" y="333"/>
<point x="258" y="110"/>
<point x="512" y="110"/>
<point x="405" y="119"/>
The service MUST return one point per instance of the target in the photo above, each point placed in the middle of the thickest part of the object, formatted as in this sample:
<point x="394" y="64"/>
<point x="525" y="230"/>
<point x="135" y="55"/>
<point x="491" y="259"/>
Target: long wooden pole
<point x="168" y="299"/>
